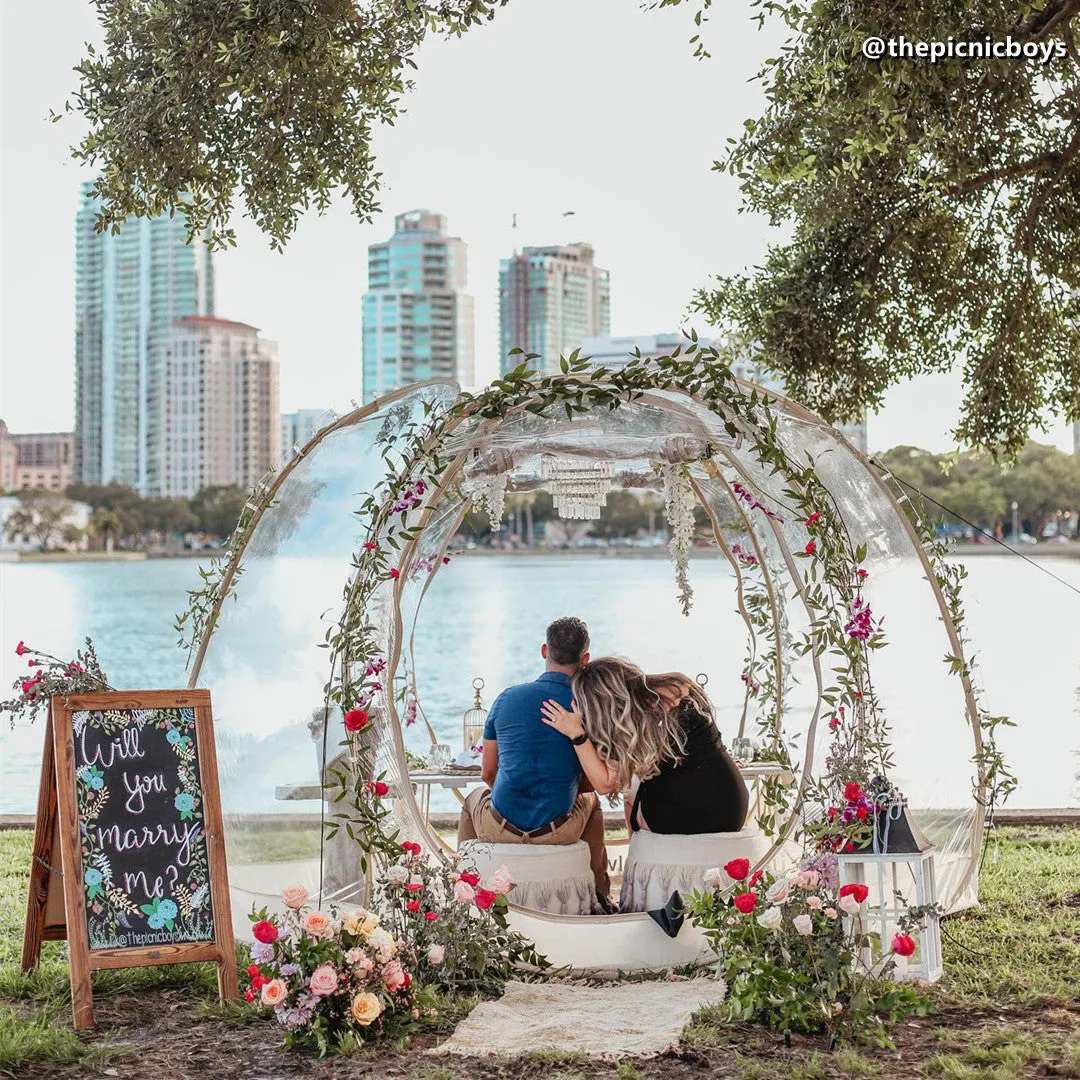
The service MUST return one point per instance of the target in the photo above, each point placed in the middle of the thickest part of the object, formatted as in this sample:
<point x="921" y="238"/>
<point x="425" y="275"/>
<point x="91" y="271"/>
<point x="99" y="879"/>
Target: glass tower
<point x="550" y="300"/>
<point x="129" y="289"/>
<point x="417" y="318"/>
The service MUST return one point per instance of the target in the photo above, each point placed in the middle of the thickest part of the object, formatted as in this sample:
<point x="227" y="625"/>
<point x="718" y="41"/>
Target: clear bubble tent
<point x="330" y="553"/>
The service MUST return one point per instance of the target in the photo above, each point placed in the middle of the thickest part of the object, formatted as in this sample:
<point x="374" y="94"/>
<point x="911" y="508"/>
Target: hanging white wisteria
<point x="488" y="493"/>
<point x="679" y="503"/>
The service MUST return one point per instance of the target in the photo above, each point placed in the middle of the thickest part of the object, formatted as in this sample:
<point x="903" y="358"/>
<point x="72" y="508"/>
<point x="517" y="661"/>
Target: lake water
<point x="485" y="616"/>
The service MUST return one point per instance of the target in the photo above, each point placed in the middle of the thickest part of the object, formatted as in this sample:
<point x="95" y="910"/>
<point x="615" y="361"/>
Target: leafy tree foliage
<point x="1044" y="482"/>
<point x="39" y="517"/>
<point x="192" y="100"/>
<point x="933" y="210"/>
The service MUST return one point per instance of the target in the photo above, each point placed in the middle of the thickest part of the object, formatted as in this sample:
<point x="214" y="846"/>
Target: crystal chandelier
<point x="579" y="488"/>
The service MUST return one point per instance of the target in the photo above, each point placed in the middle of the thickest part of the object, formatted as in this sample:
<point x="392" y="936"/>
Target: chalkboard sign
<point x="133" y="785"/>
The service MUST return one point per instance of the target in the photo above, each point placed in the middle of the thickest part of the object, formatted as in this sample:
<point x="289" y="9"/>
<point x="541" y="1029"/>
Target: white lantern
<point x="898" y="875"/>
<point x="474" y="719"/>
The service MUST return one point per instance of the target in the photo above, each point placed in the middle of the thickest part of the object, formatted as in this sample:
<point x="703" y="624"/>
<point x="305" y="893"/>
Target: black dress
<point x="702" y="793"/>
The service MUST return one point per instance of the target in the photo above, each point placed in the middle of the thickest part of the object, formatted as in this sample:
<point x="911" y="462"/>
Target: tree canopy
<point x="192" y="101"/>
<point x="933" y="210"/>
<point x="932" y="207"/>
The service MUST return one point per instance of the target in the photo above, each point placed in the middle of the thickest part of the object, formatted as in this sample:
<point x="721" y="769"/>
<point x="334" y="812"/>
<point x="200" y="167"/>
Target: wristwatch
<point x="583" y="737"/>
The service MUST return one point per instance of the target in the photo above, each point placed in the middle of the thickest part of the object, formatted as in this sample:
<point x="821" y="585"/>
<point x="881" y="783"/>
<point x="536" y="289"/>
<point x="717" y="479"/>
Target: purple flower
<point x="262" y="953"/>
<point x="288" y="969"/>
<point x="861" y="625"/>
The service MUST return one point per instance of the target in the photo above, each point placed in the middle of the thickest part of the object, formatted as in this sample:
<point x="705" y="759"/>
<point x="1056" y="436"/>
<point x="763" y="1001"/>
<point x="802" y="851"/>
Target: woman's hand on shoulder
<point x="566" y="722"/>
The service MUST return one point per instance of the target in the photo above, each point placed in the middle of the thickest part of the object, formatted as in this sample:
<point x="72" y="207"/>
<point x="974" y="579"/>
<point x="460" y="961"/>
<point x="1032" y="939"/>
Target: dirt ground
<point x="167" y="1044"/>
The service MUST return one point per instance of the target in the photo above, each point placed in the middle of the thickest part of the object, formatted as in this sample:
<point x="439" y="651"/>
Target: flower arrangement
<point x="679" y="502"/>
<point x="451" y="922"/>
<point x="48" y="675"/>
<point x="789" y="951"/>
<point x="331" y="982"/>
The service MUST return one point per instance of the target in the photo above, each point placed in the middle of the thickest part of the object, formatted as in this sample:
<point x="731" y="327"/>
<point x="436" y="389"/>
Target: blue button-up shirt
<point x="537" y="779"/>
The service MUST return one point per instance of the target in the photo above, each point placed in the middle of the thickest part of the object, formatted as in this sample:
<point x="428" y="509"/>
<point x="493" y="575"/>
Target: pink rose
<point x="274" y="992"/>
<point x="393" y="976"/>
<point x="500" y="883"/>
<point x="849" y="905"/>
<point x="324" y="981"/>
<point x="295" y="896"/>
<point x="436" y="954"/>
<point x="317" y="924"/>
<point x="814" y="902"/>
<point x="464" y="893"/>
<point x="830" y="913"/>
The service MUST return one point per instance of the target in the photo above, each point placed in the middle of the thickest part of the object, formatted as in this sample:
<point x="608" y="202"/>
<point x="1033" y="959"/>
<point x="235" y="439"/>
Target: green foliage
<point x="1044" y="481"/>
<point x="39" y="517"/>
<point x="193" y="100"/>
<point x="933" y="210"/>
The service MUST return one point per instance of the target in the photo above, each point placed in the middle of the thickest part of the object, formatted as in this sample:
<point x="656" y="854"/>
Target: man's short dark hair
<point x="567" y="641"/>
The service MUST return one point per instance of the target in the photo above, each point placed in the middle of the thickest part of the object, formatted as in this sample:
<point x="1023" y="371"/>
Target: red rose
<point x="265" y="931"/>
<point x="430" y="916"/>
<point x="395" y="573"/>
<point x="28" y="686"/>
<point x="746" y="902"/>
<point x="381" y="788"/>
<point x="410" y="847"/>
<point x="20" y="648"/>
<point x="253" y="970"/>
<point x="369" y="546"/>
<point x="834" y="723"/>
<point x="810" y="548"/>
<point x="413" y="905"/>
<point x="832" y="812"/>
<point x="408" y="981"/>
<point x="862" y="573"/>
<point x="857" y="695"/>
<point x="855" y="889"/>
<point x="356" y="720"/>
<point x="445" y="559"/>
<point x="249" y="994"/>
<point x="484" y="899"/>
<point x="259" y="982"/>
<point x="470" y="879"/>
<point x="860" y="813"/>
<point x="755" y="877"/>
<point x="813" y="517"/>
<point x="903" y="945"/>
<point x="852" y="791"/>
<point x="849" y="846"/>
<point x="737" y="869"/>
<point x="414" y="886"/>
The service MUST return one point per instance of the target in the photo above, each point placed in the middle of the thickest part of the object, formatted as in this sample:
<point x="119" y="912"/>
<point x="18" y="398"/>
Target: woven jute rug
<point x="638" y="1019"/>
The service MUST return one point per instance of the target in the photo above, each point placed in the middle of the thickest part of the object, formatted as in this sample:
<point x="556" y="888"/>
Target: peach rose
<point x="370" y="924"/>
<point x="274" y="992"/>
<point x="324" y="980"/>
<point x="295" y="896"/>
<point x="830" y="913"/>
<point x="317" y="924"/>
<point x="365" y="1008"/>
<point x="379" y="939"/>
<point x="814" y="902"/>
<point x="464" y="893"/>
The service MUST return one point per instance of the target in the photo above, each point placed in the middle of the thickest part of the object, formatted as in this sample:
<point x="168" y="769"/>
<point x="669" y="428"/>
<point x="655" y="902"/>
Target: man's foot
<point x="605" y="905"/>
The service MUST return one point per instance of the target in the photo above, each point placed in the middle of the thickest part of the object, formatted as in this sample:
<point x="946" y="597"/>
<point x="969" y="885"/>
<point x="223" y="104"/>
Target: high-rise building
<point x="222" y="424"/>
<point x="300" y="427"/>
<point x="550" y="300"/>
<point x="611" y="352"/>
<point x="129" y="289"/>
<point x="417" y="317"/>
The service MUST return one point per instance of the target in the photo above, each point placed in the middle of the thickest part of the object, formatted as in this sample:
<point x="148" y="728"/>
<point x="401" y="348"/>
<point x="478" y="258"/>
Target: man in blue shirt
<point x="533" y="770"/>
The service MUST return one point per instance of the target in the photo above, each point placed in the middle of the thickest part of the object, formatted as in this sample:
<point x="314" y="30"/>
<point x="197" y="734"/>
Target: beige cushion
<point x="555" y="878"/>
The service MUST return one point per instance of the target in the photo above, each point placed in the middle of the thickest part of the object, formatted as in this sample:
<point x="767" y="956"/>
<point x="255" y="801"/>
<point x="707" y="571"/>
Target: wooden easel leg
<point x="226" y="979"/>
<point x="42" y="856"/>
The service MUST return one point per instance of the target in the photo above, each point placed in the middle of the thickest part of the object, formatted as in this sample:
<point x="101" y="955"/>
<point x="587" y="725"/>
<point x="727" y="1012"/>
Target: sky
<point x="594" y="106"/>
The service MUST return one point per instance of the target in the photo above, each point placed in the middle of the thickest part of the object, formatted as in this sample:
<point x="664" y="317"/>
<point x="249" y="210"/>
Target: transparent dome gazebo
<point x="297" y="568"/>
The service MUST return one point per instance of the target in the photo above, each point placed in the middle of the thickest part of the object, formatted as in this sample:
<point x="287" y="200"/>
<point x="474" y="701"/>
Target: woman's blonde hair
<point x="626" y="718"/>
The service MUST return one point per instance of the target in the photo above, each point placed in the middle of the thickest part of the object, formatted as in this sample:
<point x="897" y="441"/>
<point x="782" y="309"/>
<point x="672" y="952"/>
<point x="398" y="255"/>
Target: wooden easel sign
<point x="129" y="829"/>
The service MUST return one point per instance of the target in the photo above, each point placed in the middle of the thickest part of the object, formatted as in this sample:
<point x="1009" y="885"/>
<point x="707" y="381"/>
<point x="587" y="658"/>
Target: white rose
<point x="849" y="905"/>
<point x="396" y="874"/>
<point x="778" y="892"/>
<point x="715" y="878"/>
<point x="771" y="918"/>
<point x="804" y="924"/>
<point x="436" y="954"/>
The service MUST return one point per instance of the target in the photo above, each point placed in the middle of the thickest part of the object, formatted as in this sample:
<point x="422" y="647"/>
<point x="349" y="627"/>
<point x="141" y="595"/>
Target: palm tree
<point x="106" y="523"/>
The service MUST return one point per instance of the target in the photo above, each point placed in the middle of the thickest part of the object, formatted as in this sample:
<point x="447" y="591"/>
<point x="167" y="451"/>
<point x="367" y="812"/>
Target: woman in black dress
<point x="654" y="735"/>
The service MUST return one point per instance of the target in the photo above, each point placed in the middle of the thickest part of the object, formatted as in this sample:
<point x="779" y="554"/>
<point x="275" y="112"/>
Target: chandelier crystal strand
<point x="578" y="488"/>
<point x="488" y="493"/>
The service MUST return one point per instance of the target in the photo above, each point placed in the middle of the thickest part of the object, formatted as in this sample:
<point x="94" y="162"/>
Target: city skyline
<point x="474" y="154"/>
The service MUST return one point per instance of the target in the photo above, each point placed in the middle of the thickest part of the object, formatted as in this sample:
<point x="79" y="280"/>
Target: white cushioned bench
<point x="555" y="878"/>
<point x="659" y="863"/>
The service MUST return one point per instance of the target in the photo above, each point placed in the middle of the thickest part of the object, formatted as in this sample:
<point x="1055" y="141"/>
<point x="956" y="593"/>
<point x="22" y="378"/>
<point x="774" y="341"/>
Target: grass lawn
<point x="1008" y="1008"/>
